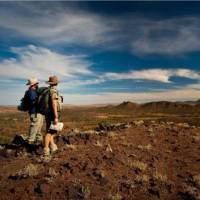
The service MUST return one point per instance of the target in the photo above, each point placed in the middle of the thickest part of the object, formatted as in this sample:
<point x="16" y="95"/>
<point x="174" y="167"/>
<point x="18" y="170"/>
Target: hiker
<point x="35" y="135"/>
<point x="52" y="116"/>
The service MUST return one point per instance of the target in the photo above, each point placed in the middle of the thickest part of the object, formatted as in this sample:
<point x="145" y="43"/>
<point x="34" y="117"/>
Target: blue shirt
<point x="32" y="96"/>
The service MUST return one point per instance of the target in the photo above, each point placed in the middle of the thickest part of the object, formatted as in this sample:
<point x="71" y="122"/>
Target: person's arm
<point x="54" y="106"/>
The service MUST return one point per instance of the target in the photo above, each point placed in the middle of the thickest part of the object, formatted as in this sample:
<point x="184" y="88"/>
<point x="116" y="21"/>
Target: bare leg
<point x="47" y="140"/>
<point x="53" y="146"/>
<point x="52" y="139"/>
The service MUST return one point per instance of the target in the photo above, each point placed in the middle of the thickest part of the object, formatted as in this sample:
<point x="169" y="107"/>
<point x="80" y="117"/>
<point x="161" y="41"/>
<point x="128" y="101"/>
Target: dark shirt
<point x="32" y="94"/>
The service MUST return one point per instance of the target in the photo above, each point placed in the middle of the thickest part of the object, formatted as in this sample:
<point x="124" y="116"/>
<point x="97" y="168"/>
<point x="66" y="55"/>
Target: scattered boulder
<point x="70" y="146"/>
<point x="196" y="180"/>
<point x="138" y="122"/>
<point x="19" y="140"/>
<point x="98" y="144"/>
<point x="196" y="138"/>
<point x="108" y="148"/>
<point x="104" y="126"/>
<point x="74" y="131"/>
<point x="150" y="130"/>
<point x="42" y="188"/>
<point x="183" y="125"/>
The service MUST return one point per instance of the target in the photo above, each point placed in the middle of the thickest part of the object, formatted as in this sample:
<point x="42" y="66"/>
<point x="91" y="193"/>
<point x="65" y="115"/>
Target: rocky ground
<point x="136" y="160"/>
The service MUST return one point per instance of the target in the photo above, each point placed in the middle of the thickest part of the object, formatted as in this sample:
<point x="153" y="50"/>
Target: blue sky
<point x="102" y="52"/>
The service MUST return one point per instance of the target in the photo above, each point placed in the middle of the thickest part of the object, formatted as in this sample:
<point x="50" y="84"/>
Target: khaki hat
<point x="32" y="81"/>
<point x="53" y="80"/>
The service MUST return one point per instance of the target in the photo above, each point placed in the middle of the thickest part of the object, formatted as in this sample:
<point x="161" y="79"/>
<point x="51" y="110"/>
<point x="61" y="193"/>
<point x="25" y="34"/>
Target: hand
<point x="55" y="121"/>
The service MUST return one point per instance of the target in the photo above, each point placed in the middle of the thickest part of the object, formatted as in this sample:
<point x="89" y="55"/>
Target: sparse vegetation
<point x="160" y="177"/>
<point x="85" y="190"/>
<point x="137" y="165"/>
<point x="145" y="147"/>
<point x="84" y="118"/>
<point x="142" y="179"/>
<point x="114" y="197"/>
<point x="52" y="172"/>
<point x="29" y="170"/>
<point x="124" y="163"/>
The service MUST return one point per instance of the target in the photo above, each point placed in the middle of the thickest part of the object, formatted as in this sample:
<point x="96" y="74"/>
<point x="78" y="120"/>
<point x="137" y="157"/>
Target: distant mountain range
<point x="161" y="105"/>
<point x="192" y="102"/>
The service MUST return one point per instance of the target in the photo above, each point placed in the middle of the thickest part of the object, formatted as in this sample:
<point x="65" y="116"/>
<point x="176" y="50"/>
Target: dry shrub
<point x="142" y="179"/>
<point x="137" y="165"/>
<point x="160" y="177"/>
<point x="145" y="147"/>
<point x="29" y="170"/>
<point x="114" y="197"/>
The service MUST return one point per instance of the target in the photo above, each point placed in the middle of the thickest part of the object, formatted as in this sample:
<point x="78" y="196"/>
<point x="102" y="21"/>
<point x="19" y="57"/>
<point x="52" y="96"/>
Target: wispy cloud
<point x="42" y="62"/>
<point x="161" y="75"/>
<point x="69" y="26"/>
<point x="64" y="24"/>
<point x="73" y="71"/>
<point x="55" y="24"/>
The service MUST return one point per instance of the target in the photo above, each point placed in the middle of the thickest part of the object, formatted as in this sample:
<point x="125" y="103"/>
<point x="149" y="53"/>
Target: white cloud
<point x="69" y="84"/>
<point x="54" y="24"/>
<point x="161" y="75"/>
<point x="72" y="25"/>
<point x="41" y="63"/>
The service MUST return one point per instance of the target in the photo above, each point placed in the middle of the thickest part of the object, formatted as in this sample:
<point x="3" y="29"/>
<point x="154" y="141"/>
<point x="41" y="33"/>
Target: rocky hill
<point x="127" y="105"/>
<point x="166" y="105"/>
<point x="162" y="106"/>
<point x="135" y="160"/>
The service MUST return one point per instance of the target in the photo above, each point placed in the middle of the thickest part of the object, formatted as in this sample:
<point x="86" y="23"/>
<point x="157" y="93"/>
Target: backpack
<point x="44" y="105"/>
<point x="43" y="101"/>
<point x="24" y="105"/>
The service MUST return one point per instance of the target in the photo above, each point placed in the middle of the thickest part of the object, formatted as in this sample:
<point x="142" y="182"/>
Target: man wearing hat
<point x="35" y="135"/>
<point x="52" y="116"/>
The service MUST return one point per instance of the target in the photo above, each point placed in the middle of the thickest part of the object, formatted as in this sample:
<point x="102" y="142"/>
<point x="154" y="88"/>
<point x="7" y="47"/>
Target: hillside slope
<point x="137" y="160"/>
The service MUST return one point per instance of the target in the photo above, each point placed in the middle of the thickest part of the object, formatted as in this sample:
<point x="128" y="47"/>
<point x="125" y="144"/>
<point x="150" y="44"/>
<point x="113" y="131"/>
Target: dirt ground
<point x="140" y="161"/>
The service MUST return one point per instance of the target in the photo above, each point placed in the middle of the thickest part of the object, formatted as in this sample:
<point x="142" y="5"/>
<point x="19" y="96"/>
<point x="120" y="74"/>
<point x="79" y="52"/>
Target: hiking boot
<point x="46" y="151"/>
<point x="53" y="148"/>
<point x="46" y="157"/>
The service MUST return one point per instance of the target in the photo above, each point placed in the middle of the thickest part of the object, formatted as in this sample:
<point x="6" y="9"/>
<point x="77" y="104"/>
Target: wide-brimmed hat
<point x="53" y="80"/>
<point x="32" y="81"/>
